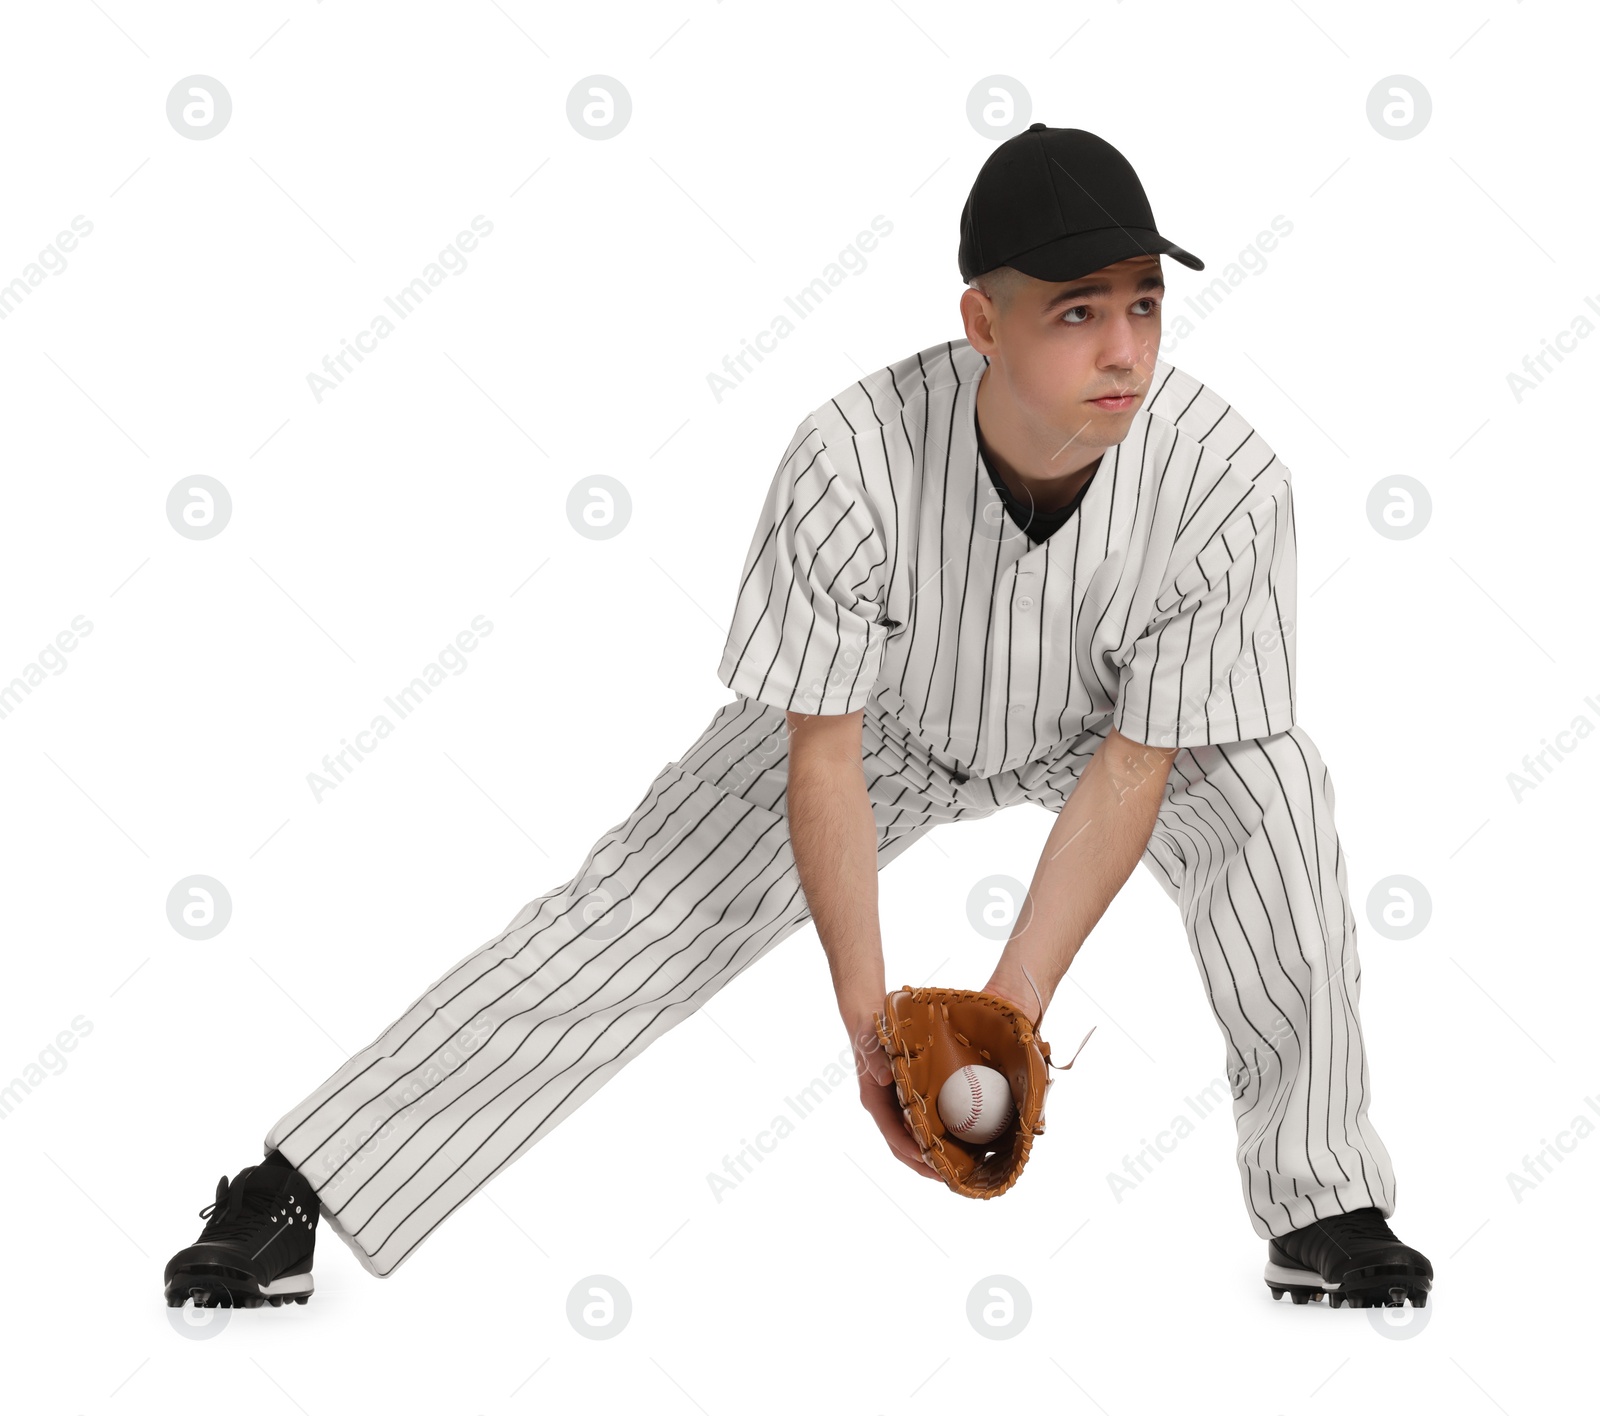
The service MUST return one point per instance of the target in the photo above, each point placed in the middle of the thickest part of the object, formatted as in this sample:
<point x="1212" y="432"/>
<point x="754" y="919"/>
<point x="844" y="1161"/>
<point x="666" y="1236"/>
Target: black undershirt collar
<point x="1038" y="525"/>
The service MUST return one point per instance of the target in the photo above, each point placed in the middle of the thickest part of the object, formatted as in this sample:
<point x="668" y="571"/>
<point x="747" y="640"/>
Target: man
<point x="1034" y="565"/>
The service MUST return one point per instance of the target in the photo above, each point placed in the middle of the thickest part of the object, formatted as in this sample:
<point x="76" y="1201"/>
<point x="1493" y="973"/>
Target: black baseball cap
<point x="1057" y="203"/>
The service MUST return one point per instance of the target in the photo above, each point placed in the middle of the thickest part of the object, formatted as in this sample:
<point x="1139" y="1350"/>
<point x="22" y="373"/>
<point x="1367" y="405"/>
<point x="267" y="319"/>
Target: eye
<point x="1081" y="311"/>
<point x="1149" y="300"/>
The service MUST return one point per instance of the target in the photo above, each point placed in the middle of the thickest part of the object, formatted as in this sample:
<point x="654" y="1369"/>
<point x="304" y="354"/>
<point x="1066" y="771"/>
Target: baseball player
<point x="1037" y="564"/>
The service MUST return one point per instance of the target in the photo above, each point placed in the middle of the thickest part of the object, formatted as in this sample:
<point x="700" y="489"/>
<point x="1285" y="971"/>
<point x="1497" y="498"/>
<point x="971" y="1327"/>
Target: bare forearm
<point x="1098" y="837"/>
<point x="835" y="844"/>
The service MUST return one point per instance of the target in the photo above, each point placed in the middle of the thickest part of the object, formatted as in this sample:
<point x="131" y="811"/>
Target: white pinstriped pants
<point x="699" y="882"/>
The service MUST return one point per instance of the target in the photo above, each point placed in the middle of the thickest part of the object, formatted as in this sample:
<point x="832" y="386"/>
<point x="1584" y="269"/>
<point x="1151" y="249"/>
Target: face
<point x="1075" y="356"/>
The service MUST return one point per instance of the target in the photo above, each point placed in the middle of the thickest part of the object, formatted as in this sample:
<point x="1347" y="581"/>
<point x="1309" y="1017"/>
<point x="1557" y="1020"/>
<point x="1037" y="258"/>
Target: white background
<point x="369" y="528"/>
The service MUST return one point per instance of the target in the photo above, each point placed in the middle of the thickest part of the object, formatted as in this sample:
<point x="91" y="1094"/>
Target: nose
<point x="1122" y="344"/>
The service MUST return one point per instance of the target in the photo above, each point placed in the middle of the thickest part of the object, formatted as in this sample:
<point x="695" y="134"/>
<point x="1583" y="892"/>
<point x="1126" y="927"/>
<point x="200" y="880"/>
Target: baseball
<point x="975" y="1104"/>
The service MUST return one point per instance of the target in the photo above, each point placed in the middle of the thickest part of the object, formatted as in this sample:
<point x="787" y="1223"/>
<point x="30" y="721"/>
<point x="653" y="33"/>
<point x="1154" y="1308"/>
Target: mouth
<point x="1117" y="402"/>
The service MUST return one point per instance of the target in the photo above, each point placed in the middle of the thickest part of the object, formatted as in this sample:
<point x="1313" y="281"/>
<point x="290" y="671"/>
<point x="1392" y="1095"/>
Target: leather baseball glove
<point x="929" y="1033"/>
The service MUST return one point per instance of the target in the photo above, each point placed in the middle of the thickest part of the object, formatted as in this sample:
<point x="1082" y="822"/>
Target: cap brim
<point x="1071" y="257"/>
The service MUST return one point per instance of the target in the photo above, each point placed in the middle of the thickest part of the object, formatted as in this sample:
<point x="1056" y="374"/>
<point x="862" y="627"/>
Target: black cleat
<point x="1353" y="1258"/>
<point x="256" y="1246"/>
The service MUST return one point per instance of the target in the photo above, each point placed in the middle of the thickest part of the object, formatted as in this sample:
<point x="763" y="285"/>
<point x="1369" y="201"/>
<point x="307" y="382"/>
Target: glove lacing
<point x="1060" y="1067"/>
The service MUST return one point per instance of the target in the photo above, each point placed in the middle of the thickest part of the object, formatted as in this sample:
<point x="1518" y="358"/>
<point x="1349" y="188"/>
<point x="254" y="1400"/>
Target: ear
<point x="979" y="319"/>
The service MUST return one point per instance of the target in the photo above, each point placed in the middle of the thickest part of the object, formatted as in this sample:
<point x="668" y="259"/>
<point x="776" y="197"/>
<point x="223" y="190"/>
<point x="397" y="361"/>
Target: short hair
<point x="999" y="285"/>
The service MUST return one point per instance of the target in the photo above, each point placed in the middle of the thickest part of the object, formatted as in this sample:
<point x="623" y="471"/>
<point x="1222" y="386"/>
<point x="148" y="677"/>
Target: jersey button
<point x="1025" y="602"/>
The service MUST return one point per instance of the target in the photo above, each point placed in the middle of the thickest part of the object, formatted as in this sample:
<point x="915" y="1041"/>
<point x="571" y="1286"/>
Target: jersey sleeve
<point x="806" y="634"/>
<point x="1216" y="663"/>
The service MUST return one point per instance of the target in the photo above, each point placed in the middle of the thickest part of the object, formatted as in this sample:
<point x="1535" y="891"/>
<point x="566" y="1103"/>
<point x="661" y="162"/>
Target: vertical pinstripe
<point x="883" y="566"/>
<point x="881" y="577"/>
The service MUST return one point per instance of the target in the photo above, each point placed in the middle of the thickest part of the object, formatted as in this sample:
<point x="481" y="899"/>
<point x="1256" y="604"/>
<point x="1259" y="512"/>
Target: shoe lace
<point x="237" y="1211"/>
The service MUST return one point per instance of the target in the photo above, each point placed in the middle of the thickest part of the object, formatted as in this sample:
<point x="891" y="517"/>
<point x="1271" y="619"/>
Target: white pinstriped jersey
<point x="884" y="570"/>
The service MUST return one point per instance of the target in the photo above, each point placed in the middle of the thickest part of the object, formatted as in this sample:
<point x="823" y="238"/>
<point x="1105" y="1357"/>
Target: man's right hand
<point x="834" y="837"/>
<point x="878" y="1096"/>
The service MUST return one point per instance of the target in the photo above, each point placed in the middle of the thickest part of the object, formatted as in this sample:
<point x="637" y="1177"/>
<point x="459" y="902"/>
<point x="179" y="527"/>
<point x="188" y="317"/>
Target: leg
<point x="669" y="905"/>
<point x="1246" y="846"/>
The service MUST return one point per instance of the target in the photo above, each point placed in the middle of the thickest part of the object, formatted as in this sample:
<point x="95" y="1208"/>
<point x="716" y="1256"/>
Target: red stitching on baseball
<point x="977" y="1099"/>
